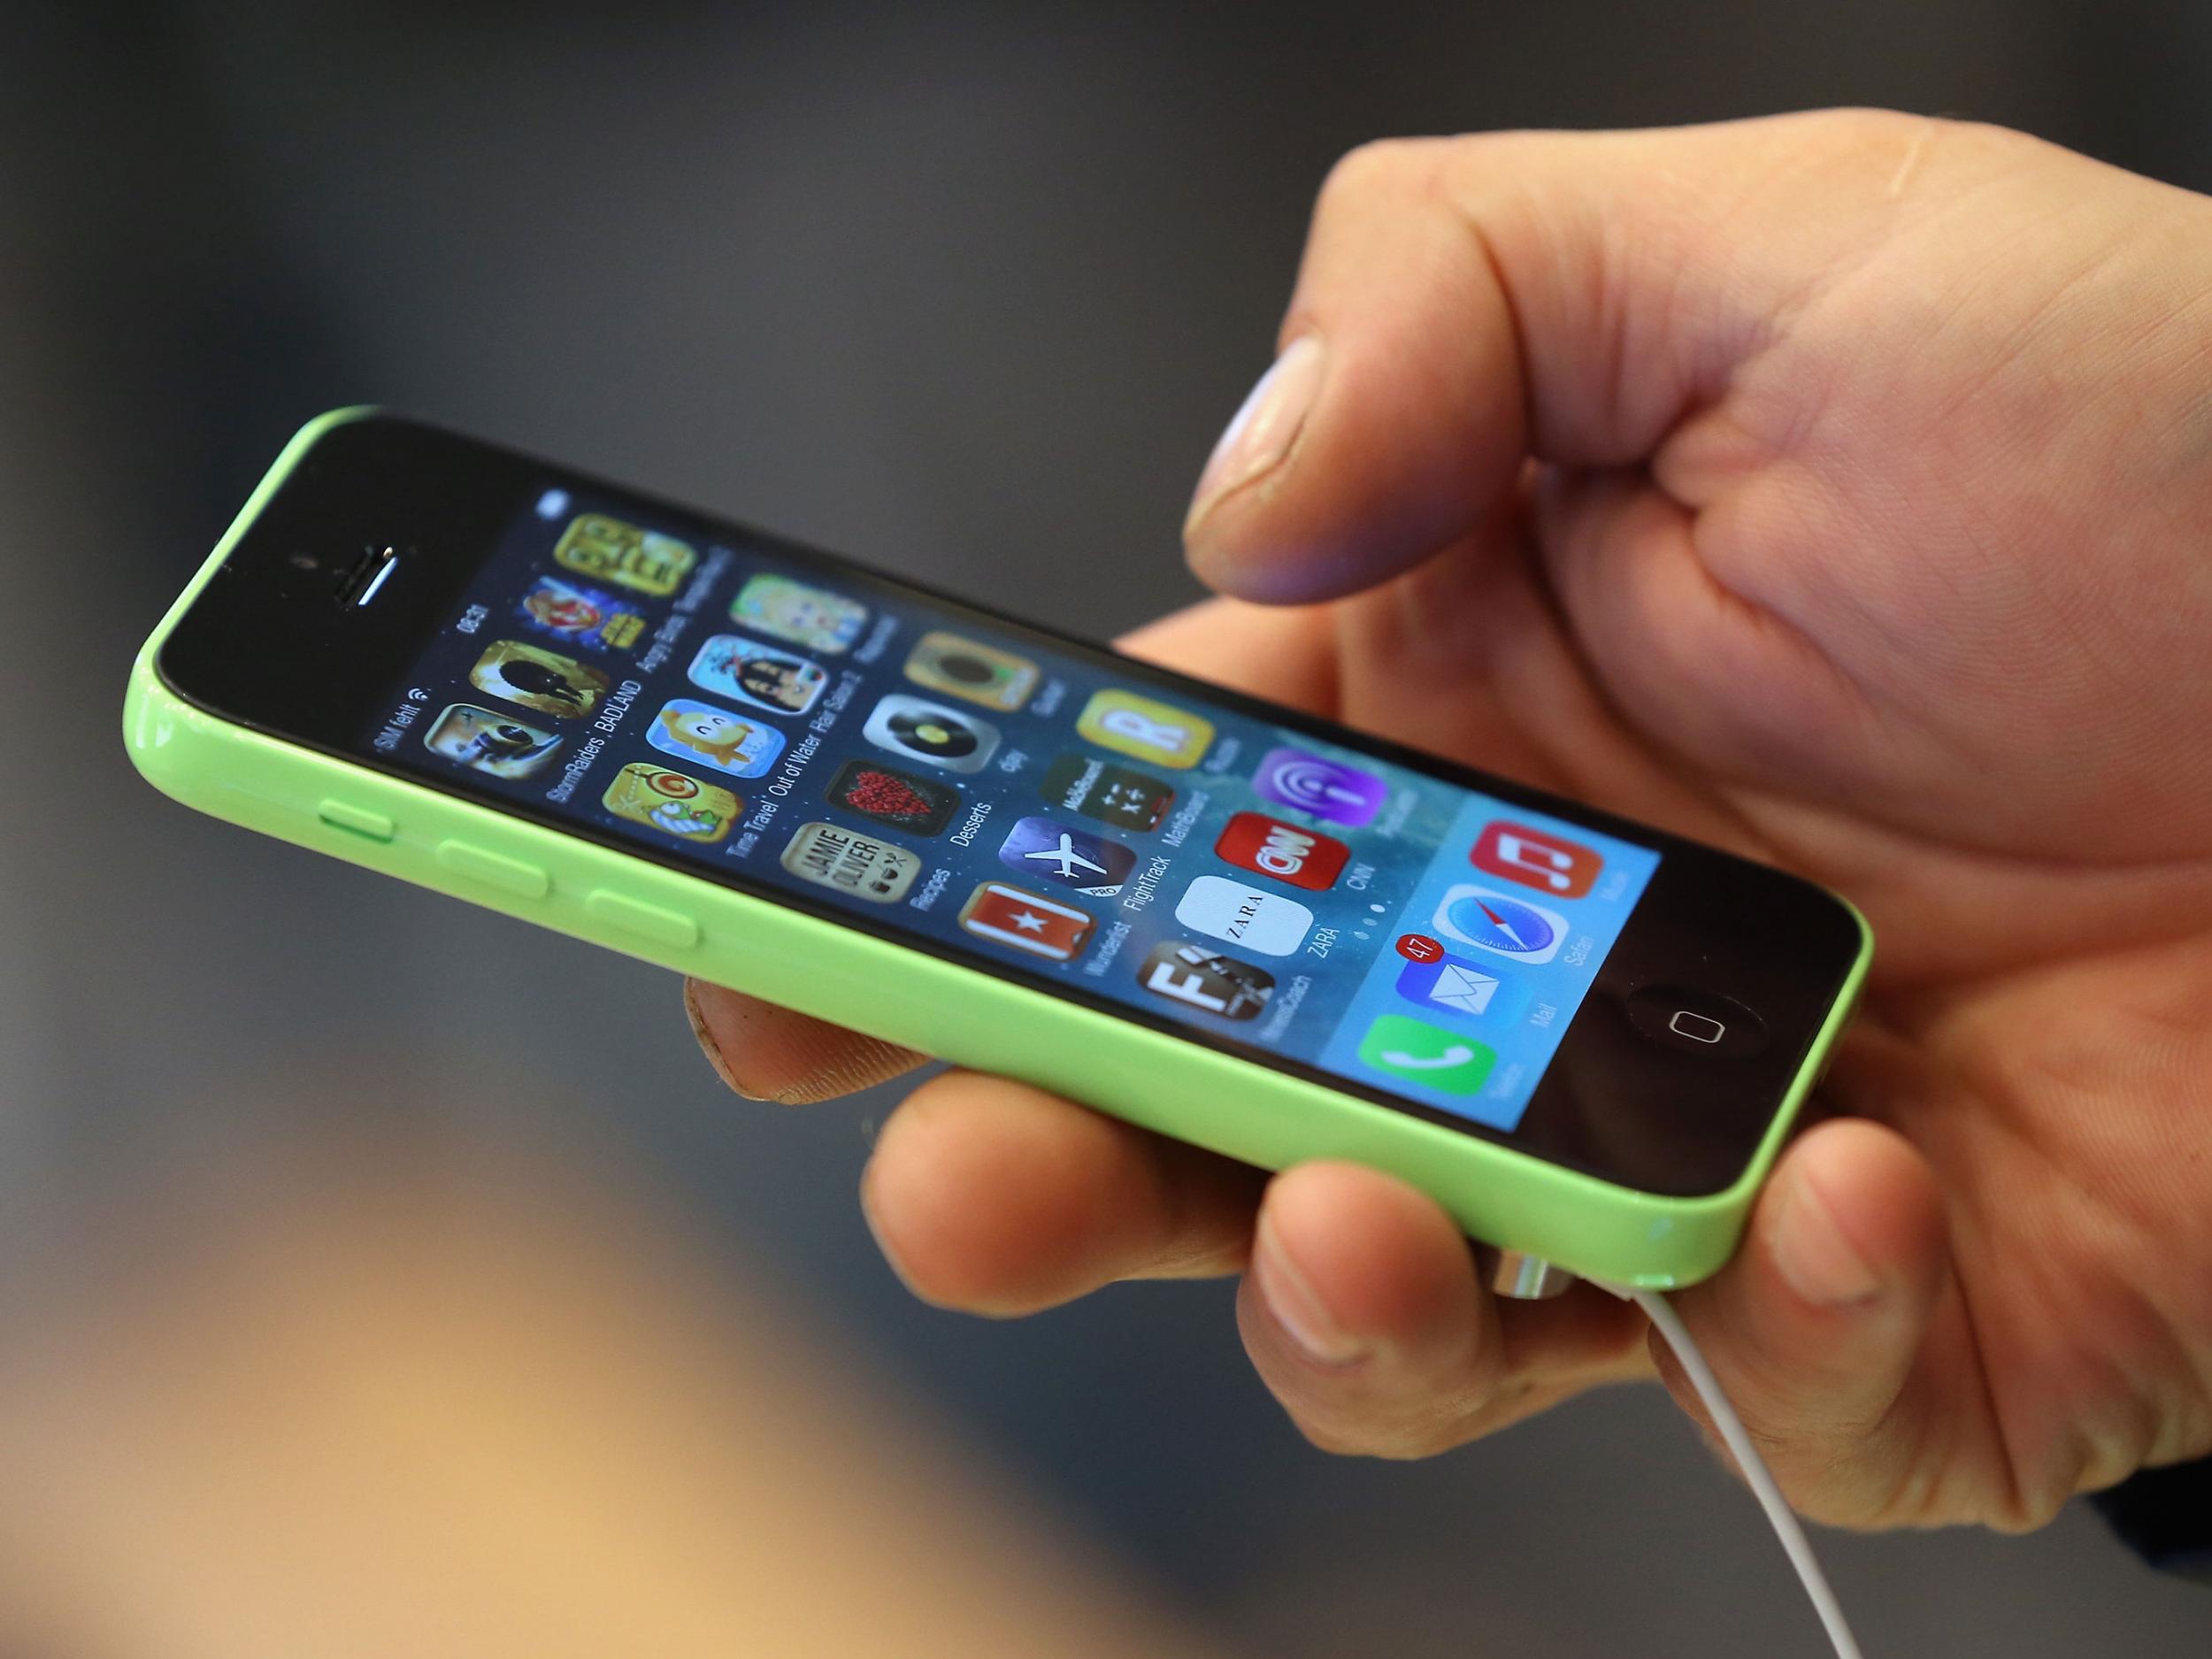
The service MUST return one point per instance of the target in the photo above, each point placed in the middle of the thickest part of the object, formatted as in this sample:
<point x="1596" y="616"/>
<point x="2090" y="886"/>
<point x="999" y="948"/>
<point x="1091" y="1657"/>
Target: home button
<point x="1696" y="1027"/>
<point x="1693" y="1021"/>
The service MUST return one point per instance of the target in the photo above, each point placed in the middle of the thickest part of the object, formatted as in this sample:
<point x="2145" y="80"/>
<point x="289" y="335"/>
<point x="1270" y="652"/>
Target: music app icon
<point x="1564" y="869"/>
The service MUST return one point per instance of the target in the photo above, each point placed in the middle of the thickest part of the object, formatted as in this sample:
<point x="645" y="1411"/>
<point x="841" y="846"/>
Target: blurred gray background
<point x="965" y="290"/>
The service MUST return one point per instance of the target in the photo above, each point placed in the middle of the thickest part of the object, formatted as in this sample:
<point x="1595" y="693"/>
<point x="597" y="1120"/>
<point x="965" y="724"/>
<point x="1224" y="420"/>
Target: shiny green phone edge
<point x="1236" y="1107"/>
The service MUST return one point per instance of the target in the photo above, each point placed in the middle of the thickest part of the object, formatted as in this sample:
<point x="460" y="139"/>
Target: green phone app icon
<point x="1422" y="1053"/>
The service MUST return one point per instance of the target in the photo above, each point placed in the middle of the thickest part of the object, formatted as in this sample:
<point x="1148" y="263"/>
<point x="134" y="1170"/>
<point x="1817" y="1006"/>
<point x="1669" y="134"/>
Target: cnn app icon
<point x="1550" y="864"/>
<point x="1286" y="852"/>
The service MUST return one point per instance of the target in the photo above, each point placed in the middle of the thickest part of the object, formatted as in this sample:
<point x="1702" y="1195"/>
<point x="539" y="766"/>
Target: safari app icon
<point x="1492" y="920"/>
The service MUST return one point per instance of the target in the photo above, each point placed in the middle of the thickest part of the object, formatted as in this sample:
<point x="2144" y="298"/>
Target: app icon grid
<point x="977" y="789"/>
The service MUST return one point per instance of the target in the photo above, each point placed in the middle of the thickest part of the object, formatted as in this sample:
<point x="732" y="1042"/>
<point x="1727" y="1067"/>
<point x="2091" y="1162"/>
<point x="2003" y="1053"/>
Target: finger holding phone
<point x="1829" y="488"/>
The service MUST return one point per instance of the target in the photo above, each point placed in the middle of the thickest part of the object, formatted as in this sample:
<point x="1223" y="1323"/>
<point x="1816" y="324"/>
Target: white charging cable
<point x="1662" y="1314"/>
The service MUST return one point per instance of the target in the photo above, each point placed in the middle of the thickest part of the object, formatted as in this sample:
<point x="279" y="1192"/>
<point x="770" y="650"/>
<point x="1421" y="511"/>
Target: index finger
<point x="1466" y="305"/>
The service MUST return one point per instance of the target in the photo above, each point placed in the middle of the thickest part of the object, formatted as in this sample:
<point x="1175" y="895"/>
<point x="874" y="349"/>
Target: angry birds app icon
<point x="672" y="802"/>
<point x="540" y="679"/>
<point x="575" y="615"/>
<point x="691" y="730"/>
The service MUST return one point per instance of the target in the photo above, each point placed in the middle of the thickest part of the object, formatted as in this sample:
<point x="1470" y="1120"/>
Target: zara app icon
<point x="1266" y="923"/>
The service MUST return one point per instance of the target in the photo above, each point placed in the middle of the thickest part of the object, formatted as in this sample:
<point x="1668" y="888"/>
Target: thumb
<point x="1465" y="305"/>
<point x="1815" y="1330"/>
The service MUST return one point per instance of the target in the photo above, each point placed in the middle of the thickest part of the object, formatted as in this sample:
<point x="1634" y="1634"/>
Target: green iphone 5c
<point x="784" y="773"/>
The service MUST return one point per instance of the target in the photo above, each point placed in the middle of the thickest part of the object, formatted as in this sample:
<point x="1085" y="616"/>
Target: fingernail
<point x="1815" y="1257"/>
<point x="707" y="1044"/>
<point x="1291" y="1302"/>
<point x="1262" y="430"/>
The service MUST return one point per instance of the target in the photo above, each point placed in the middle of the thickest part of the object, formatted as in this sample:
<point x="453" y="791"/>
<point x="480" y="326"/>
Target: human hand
<point x="1831" y="488"/>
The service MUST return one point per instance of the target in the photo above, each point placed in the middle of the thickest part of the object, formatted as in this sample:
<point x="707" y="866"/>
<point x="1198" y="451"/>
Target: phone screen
<point x="1039" y="811"/>
<point x="801" y="727"/>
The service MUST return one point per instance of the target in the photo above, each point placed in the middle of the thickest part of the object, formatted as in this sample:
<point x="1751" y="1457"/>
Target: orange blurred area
<point x="472" y="1404"/>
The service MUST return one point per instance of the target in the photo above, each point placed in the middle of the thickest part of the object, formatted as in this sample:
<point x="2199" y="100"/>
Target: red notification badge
<point x="1419" y="947"/>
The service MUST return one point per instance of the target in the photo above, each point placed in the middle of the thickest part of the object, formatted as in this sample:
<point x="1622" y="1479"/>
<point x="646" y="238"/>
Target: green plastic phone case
<point x="1245" y="1110"/>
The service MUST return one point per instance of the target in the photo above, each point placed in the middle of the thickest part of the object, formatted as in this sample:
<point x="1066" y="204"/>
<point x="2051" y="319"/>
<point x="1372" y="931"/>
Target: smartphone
<point x="841" y="791"/>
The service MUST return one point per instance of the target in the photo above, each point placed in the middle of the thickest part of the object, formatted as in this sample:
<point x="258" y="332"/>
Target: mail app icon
<point x="1466" y="989"/>
<point x="1454" y="985"/>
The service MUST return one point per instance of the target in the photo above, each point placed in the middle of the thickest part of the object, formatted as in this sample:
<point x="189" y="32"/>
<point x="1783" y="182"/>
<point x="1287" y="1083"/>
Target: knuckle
<point x="1381" y="167"/>
<point x="1872" y="126"/>
<point x="1325" y="1436"/>
<point x="1400" y="1429"/>
<point x="1894" y="146"/>
<point x="1399" y="1442"/>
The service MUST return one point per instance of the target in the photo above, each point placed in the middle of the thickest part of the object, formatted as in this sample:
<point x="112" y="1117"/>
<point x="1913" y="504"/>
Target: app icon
<point x="1303" y="857"/>
<point x="898" y="799"/>
<point x="672" y="802"/>
<point x="1342" y="794"/>
<point x="496" y="743"/>
<point x="1156" y="732"/>
<point x="1113" y="794"/>
<point x="1073" y="857"/>
<point x="1425" y="1053"/>
<point x="1563" y="868"/>
<point x="1265" y="922"/>
<point x="766" y="676"/>
<point x="924" y="731"/>
<point x="849" y="862"/>
<point x="1456" y="985"/>
<point x="812" y="616"/>
<point x="577" y="616"/>
<point x="1026" y="921"/>
<point x="643" y="561"/>
<point x="544" y="680"/>
<point x="692" y="730"/>
<point x="1200" y="977"/>
<point x="1488" y="919"/>
<point x="967" y="669"/>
